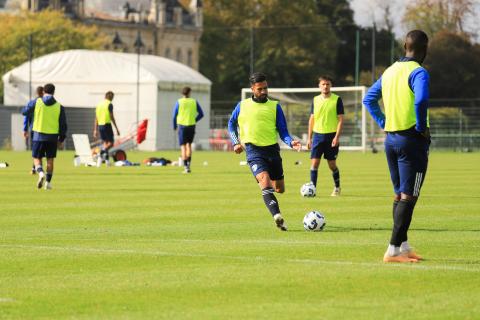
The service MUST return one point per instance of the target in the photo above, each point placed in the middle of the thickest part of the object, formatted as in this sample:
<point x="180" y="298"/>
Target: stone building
<point x="167" y="28"/>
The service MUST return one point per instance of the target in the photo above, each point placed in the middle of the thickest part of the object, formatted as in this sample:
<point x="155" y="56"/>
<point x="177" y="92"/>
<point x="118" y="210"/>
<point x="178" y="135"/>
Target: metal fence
<point x="453" y="126"/>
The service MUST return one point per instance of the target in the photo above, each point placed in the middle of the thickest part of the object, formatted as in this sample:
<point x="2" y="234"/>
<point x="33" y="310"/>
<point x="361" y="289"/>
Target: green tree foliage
<point x="454" y="66"/>
<point x="291" y="57"/>
<point x="50" y="31"/>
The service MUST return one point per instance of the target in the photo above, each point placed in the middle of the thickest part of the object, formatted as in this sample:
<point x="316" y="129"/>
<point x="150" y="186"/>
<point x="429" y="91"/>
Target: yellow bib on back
<point x="187" y="111"/>
<point x="46" y="118"/>
<point x="102" y="112"/>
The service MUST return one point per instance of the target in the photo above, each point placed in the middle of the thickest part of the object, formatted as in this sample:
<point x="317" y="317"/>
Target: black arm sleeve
<point x="340" y="106"/>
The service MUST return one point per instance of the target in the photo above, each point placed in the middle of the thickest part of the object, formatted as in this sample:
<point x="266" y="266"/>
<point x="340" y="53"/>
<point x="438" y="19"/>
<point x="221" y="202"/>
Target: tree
<point x="292" y="44"/>
<point x="459" y="78"/>
<point x="433" y="16"/>
<point x="50" y="32"/>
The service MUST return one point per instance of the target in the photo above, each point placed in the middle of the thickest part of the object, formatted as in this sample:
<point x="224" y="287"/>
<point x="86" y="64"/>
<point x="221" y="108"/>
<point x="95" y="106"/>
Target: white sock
<point x="405" y="247"/>
<point x="392" y="250"/>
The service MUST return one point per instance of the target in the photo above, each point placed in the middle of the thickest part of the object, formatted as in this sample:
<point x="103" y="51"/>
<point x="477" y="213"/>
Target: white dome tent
<point x="82" y="77"/>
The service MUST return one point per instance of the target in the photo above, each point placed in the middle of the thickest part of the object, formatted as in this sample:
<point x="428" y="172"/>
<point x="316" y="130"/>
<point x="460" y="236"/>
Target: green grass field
<point x="153" y="243"/>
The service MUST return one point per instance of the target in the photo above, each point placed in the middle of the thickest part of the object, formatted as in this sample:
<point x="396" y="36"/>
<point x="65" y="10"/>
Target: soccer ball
<point x="308" y="190"/>
<point x="314" y="221"/>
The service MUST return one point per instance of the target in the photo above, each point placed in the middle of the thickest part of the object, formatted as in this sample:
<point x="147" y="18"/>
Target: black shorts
<point x="267" y="159"/>
<point x="322" y="144"/>
<point x="106" y="133"/>
<point x="186" y="134"/>
<point x="41" y="149"/>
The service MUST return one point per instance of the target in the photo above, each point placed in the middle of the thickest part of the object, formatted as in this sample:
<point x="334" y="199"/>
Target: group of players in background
<point x="257" y="121"/>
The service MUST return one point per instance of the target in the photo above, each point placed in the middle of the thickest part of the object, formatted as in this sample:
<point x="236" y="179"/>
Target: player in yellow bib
<point x="186" y="113"/>
<point x="324" y="129"/>
<point x="260" y="121"/>
<point x="104" y="119"/>
<point x="404" y="88"/>
<point x="49" y="131"/>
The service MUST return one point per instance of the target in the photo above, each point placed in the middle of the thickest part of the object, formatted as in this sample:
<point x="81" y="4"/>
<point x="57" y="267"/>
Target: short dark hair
<point x="186" y="91"/>
<point x="49" y="88"/>
<point x="257" y="77"/>
<point x="325" y="78"/>
<point x="109" y="95"/>
<point x="416" y="41"/>
<point x="39" y="91"/>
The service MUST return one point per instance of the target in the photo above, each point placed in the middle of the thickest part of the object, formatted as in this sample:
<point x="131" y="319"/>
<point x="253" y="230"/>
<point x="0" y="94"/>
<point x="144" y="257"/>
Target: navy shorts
<point x="41" y="149"/>
<point x="407" y="157"/>
<point x="106" y="133"/>
<point x="186" y="134"/>
<point x="267" y="159"/>
<point x="322" y="145"/>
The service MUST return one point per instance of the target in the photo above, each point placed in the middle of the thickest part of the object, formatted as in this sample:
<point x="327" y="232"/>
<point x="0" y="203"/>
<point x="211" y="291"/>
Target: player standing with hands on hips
<point x="259" y="119"/>
<point x="324" y="129"/>
<point x="103" y="123"/>
<point x="404" y="87"/>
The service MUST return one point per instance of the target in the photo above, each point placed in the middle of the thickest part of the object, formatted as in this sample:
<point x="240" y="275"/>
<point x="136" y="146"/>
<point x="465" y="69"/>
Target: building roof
<point x="90" y="66"/>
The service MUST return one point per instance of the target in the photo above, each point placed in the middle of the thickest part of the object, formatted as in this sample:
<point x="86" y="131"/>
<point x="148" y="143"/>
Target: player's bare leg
<point x="41" y="175"/>
<point x="48" y="184"/>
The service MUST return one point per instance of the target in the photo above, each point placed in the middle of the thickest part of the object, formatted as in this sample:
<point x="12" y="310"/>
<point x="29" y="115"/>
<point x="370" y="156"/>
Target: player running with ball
<point x="259" y="119"/>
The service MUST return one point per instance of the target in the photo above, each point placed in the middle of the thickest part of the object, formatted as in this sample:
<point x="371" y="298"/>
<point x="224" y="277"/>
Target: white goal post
<point x="296" y="104"/>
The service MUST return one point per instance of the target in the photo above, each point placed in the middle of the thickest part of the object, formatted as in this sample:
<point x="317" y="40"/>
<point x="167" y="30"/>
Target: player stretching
<point x="49" y="132"/>
<point x="404" y="87"/>
<point x="326" y="123"/>
<point x="259" y="119"/>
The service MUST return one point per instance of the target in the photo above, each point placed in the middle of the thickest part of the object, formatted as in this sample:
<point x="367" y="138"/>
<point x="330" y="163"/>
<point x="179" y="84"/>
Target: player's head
<point x="325" y="83"/>
<point x="39" y="91"/>
<point x="259" y="86"/>
<point x="49" y="88"/>
<point x="186" y="91"/>
<point x="109" y="95"/>
<point x="416" y="44"/>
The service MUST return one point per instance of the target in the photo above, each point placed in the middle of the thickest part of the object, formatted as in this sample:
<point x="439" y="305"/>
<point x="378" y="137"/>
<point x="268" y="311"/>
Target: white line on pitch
<point x="244" y="258"/>
<point x="5" y="300"/>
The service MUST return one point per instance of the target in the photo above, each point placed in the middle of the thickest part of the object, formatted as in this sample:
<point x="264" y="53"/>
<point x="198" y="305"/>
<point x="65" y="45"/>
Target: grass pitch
<point x="153" y="243"/>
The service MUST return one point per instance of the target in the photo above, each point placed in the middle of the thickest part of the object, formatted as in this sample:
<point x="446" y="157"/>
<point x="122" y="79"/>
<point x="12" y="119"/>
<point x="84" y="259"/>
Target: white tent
<point x="82" y="77"/>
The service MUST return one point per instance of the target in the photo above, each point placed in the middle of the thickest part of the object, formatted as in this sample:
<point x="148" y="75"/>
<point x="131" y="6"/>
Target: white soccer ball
<point x="308" y="190"/>
<point x="314" y="221"/>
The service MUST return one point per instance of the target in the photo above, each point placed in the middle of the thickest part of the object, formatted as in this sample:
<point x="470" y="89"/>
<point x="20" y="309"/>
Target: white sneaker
<point x="41" y="178"/>
<point x="99" y="161"/>
<point x="48" y="185"/>
<point x="280" y="222"/>
<point x="336" y="192"/>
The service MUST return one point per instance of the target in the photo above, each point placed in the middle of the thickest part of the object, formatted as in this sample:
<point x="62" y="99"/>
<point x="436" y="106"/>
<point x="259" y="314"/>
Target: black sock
<point x="39" y="169"/>
<point x="395" y="203"/>
<point x="49" y="176"/>
<point x="106" y="156"/>
<point x="401" y="221"/>
<point x="313" y="176"/>
<point x="336" y="178"/>
<point x="270" y="200"/>
<point x="189" y="161"/>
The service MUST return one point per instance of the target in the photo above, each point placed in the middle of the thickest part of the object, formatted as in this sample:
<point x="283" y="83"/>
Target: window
<point x="179" y="55"/>
<point x="167" y="53"/>
<point x="189" y="57"/>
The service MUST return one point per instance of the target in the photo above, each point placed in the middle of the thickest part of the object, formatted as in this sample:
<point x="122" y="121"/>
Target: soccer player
<point x="49" y="132"/>
<point x="259" y="119"/>
<point x="186" y="113"/>
<point x="404" y="87"/>
<point x="103" y="124"/>
<point x="326" y="123"/>
<point x="28" y="123"/>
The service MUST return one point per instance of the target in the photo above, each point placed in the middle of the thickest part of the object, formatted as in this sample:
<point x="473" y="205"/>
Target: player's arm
<point x="26" y="124"/>
<point x="62" y="126"/>
<point x="199" y="113"/>
<point x="311" y="123"/>
<point x="95" y="128"/>
<point x="282" y="129"/>
<point x="175" y="114"/>
<point x="340" y="112"/>
<point x="233" y="130"/>
<point x="110" y="109"/>
<point x="27" y="112"/>
<point x="419" y="82"/>
<point x="374" y="94"/>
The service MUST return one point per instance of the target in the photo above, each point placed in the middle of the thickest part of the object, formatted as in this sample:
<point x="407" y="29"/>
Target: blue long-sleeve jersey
<point x="419" y="83"/>
<point x="175" y="114"/>
<point x="281" y="125"/>
<point x="28" y="119"/>
<point x="49" y="100"/>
